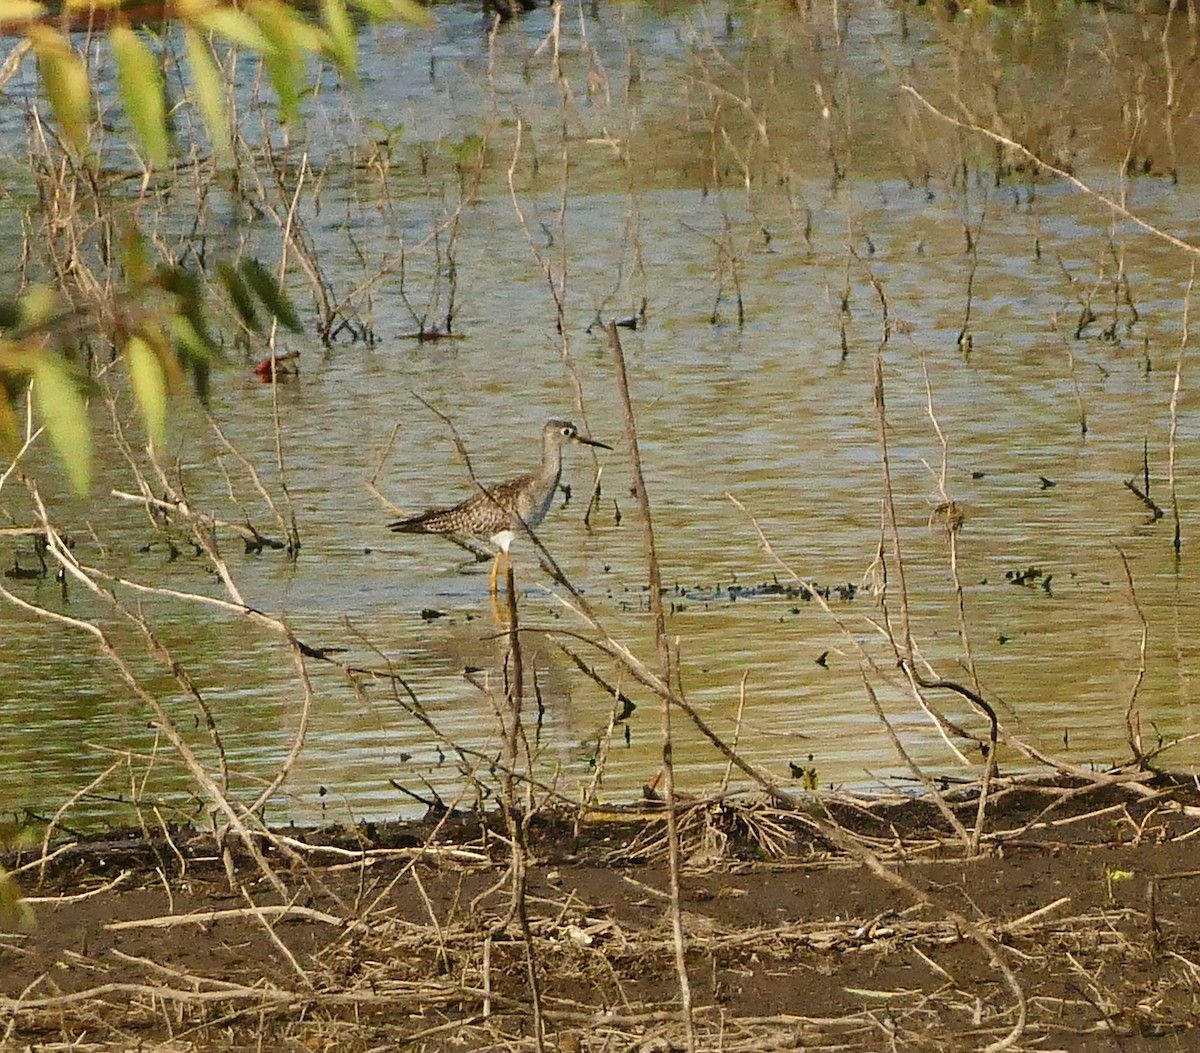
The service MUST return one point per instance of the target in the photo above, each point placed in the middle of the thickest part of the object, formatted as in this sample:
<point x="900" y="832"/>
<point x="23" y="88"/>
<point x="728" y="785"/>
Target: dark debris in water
<point x="733" y="592"/>
<point x="1030" y="577"/>
<point x="806" y="773"/>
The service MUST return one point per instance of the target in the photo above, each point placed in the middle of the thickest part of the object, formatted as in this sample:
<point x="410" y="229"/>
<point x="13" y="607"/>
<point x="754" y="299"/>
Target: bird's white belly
<point x="503" y="538"/>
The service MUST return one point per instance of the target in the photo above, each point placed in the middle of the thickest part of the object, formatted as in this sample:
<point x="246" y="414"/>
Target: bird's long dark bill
<point x="592" y="442"/>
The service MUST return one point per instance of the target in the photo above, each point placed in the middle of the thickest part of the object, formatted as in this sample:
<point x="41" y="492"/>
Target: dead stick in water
<point x="664" y="661"/>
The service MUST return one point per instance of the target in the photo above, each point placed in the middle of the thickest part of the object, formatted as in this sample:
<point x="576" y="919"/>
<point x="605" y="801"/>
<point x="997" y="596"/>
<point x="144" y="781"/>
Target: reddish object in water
<point x="83" y="20"/>
<point x="263" y="369"/>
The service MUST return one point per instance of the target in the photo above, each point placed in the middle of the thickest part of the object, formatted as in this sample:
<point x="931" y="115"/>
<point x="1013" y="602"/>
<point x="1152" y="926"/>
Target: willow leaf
<point x="63" y="413"/>
<point x="290" y="36"/>
<point x="14" y="11"/>
<point x="66" y="82"/>
<point x="341" y="40"/>
<point x="143" y="92"/>
<point x="233" y="25"/>
<point x="149" y="387"/>
<point x="210" y="92"/>
<point x="15" y="913"/>
<point x="273" y="298"/>
<point x="239" y="294"/>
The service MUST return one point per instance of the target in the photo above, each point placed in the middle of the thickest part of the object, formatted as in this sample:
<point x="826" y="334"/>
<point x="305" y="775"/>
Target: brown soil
<point x="879" y="935"/>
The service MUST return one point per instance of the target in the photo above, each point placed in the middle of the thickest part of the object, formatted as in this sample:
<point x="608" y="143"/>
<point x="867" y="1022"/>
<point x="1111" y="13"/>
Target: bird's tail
<point x="417" y="524"/>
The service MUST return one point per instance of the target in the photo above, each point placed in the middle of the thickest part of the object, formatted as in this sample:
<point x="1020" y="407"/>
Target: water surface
<point x="682" y="158"/>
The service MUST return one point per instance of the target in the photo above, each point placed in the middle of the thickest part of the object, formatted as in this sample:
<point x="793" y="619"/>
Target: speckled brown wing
<point x="498" y="515"/>
<point x="479" y="516"/>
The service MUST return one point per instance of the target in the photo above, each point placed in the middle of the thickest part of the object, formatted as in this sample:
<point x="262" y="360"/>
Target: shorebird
<point x="16" y="571"/>
<point x="498" y="513"/>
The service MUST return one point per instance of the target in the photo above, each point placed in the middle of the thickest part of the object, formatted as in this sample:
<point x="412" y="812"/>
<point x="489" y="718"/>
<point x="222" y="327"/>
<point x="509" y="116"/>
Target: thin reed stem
<point x="663" y="647"/>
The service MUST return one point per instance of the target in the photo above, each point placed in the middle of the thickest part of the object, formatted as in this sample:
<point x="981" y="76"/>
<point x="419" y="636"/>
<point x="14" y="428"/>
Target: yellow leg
<point x="498" y="615"/>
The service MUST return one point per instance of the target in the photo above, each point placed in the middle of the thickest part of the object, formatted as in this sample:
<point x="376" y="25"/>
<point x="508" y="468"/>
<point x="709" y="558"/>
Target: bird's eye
<point x="569" y="432"/>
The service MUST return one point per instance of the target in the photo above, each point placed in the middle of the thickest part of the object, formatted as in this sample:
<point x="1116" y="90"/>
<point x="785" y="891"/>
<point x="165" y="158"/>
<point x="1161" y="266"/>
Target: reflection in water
<point x="767" y="204"/>
<point x="438" y="736"/>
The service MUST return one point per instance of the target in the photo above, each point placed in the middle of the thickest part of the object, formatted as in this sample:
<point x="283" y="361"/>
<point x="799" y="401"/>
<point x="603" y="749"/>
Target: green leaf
<point x="10" y="427"/>
<point x="66" y="82"/>
<point x="290" y="37"/>
<point x="196" y="349"/>
<point x="210" y="92"/>
<point x="341" y="42"/>
<point x="192" y="336"/>
<point x="179" y="282"/>
<point x="234" y="25"/>
<point x="15" y="913"/>
<point x="134" y="256"/>
<point x="149" y="387"/>
<point x="282" y="20"/>
<point x="63" y="413"/>
<point x="273" y="298"/>
<point x="144" y="93"/>
<point x="405" y="10"/>
<point x="285" y="68"/>
<point x="20" y="10"/>
<point x="467" y="150"/>
<point x="379" y="10"/>
<point x="239" y="294"/>
<point x="411" y="11"/>
<point x="385" y="134"/>
<point x="10" y="313"/>
<point x="36" y="307"/>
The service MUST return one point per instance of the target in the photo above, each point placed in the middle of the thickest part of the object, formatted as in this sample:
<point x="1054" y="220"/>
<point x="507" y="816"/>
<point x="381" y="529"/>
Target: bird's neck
<point x="551" y="459"/>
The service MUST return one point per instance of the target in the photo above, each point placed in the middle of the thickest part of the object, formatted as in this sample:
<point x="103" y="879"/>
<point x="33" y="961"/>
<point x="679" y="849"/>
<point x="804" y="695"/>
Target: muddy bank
<point x="1073" y="926"/>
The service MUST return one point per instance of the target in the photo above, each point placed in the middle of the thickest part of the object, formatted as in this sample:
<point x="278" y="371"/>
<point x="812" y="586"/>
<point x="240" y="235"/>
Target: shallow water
<point x="674" y="197"/>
